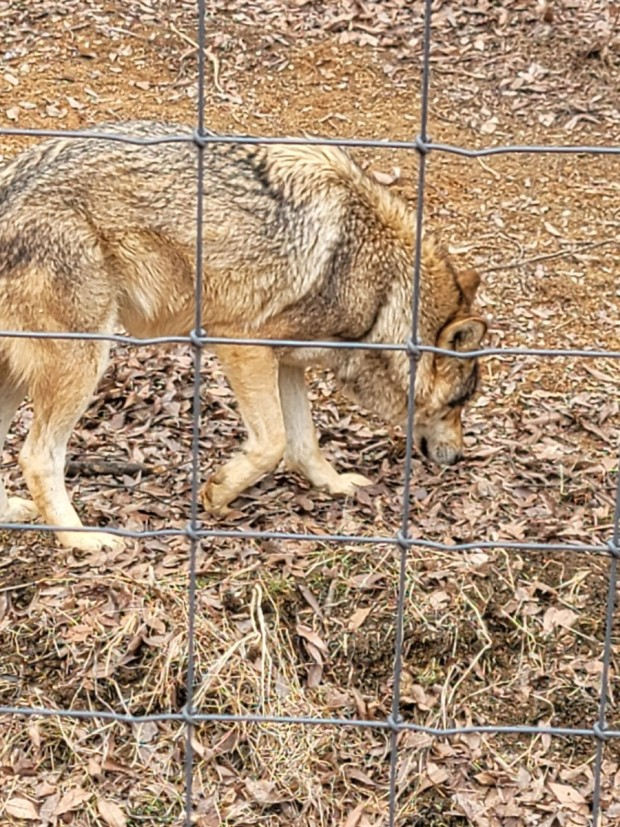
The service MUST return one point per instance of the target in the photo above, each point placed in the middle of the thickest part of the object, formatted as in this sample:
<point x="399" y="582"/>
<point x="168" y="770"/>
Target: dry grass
<point x="489" y="637"/>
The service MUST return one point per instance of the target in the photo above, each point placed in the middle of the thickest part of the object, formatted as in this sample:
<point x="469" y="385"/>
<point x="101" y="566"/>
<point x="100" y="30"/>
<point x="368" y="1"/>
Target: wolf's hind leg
<point x="12" y="509"/>
<point x="253" y="376"/>
<point x="302" y="447"/>
<point x="61" y="386"/>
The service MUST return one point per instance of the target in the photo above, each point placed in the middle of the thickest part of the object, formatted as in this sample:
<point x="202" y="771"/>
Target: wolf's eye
<point x="467" y="390"/>
<point x="457" y="403"/>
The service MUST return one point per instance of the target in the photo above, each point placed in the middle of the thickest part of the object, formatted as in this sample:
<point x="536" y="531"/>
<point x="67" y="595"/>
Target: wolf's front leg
<point x="253" y="376"/>
<point x="12" y="509"/>
<point x="302" y="447"/>
<point x="63" y="383"/>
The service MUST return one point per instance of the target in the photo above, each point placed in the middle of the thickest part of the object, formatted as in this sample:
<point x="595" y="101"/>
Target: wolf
<point x="299" y="243"/>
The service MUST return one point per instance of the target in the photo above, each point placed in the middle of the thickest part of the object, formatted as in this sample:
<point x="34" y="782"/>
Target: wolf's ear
<point x="462" y="335"/>
<point x="469" y="281"/>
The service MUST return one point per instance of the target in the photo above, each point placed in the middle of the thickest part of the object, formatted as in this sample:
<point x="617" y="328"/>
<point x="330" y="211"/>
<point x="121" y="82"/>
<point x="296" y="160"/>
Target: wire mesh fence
<point x="195" y="532"/>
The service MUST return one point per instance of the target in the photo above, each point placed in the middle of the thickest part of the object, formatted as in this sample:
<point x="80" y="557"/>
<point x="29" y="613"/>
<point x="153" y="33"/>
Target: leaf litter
<point x="491" y="636"/>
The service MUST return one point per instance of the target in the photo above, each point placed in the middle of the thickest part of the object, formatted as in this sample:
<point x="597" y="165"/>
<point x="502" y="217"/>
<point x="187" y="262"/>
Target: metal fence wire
<point x="195" y="532"/>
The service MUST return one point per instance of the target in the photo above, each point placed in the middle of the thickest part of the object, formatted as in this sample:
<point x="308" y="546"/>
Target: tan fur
<point x="298" y="243"/>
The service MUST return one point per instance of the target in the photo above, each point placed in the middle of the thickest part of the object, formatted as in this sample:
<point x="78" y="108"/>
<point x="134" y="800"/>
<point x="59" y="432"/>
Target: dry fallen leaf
<point x="71" y="800"/>
<point x="354" y="817"/>
<point x="436" y="773"/>
<point x="386" y="178"/>
<point x="111" y="813"/>
<point x="357" y="618"/>
<point x="312" y="639"/>
<point x="565" y="794"/>
<point x="74" y="104"/>
<point x="146" y="731"/>
<point x="22" y="808"/>
<point x="547" y="118"/>
<point x="554" y="617"/>
<point x="262" y="791"/>
<point x="489" y="126"/>
<point x="48" y="807"/>
<point x="54" y="111"/>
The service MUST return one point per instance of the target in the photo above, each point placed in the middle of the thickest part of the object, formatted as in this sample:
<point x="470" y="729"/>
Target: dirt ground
<point x="492" y="636"/>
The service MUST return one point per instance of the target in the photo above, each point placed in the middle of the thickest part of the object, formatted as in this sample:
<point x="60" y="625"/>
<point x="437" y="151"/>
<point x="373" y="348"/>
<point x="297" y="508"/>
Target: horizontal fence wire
<point x="196" y="339"/>
<point x="389" y="723"/>
<point x="418" y="144"/>
<point x="347" y="539"/>
<point x="196" y="534"/>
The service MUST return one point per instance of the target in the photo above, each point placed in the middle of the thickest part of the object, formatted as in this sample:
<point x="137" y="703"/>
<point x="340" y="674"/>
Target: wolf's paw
<point x="19" y="510"/>
<point x="211" y="498"/>
<point x="95" y="541"/>
<point x="348" y="483"/>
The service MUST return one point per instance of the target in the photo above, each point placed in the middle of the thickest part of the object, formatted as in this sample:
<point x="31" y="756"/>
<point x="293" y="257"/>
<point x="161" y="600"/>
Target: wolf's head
<point x="444" y="385"/>
<point x="379" y="380"/>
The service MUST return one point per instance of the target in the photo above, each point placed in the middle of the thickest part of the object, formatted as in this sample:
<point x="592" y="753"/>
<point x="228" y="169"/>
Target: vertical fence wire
<point x="600" y="728"/>
<point x="194" y="533"/>
<point x="414" y="355"/>
<point x="196" y="336"/>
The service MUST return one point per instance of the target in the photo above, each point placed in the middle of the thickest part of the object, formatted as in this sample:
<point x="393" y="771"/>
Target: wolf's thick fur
<point x="299" y="243"/>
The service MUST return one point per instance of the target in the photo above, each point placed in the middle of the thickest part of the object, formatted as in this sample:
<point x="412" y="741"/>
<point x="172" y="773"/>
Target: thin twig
<point x="590" y="245"/>
<point x="214" y="61"/>
<point x="488" y="169"/>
